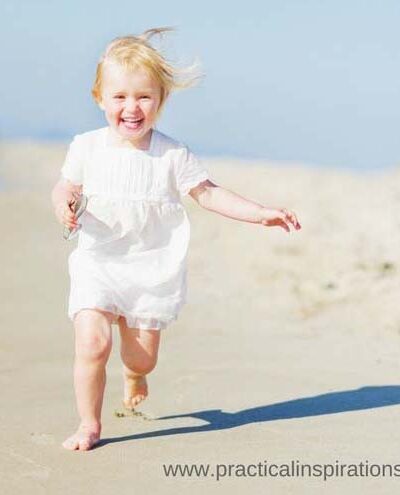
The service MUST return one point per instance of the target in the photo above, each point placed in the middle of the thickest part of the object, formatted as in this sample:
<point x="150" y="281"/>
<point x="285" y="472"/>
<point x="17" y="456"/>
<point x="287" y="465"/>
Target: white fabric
<point x="134" y="236"/>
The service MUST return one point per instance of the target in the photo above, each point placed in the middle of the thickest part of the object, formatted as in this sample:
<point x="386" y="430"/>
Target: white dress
<point x="134" y="236"/>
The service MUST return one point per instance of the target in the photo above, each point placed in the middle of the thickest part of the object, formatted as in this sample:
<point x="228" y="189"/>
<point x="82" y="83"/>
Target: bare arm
<point x="229" y="204"/>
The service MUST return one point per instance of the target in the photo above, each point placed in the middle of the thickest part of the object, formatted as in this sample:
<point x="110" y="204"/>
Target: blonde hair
<point x="132" y="52"/>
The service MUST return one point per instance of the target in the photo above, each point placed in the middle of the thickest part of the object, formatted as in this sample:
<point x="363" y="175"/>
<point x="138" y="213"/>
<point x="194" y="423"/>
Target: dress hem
<point x="142" y="321"/>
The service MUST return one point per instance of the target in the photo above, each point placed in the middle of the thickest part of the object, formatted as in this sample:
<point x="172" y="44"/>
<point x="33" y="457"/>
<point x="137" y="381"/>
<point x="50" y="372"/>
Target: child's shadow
<point x="331" y="403"/>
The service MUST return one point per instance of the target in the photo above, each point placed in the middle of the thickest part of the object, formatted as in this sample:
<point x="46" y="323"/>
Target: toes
<point x="71" y="444"/>
<point x="136" y="400"/>
<point x="85" y="445"/>
<point x="88" y="442"/>
<point x="135" y="391"/>
<point x="133" y="401"/>
<point x="78" y="443"/>
<point x="128" y="404"/>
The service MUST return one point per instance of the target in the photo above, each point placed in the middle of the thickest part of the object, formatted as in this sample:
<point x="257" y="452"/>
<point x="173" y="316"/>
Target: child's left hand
<point x="279" y="217"/>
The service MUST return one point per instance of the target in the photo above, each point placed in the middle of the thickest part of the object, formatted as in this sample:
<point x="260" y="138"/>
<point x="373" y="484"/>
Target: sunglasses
<point x="77" y="206"/>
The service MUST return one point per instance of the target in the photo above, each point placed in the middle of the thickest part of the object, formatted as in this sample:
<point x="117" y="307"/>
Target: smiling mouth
<point x="132" y="123"/>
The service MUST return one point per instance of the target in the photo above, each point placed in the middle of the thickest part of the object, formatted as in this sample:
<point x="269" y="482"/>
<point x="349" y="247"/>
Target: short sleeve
<point x="189" y="172"/>
<point x="74" y="161"/>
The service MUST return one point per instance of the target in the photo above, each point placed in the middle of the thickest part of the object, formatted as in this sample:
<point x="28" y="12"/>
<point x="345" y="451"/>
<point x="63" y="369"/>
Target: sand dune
<point x="288" y="348"/>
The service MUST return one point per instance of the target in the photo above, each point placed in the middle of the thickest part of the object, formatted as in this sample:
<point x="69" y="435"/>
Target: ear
<point x="101" y="105"/>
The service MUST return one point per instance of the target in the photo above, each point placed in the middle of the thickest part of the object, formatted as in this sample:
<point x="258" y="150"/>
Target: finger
<point x="296" y="223"/>
<point x="291" y="217"/>
<point x="71" y="205"/>
<point x="71" y="218"/>
<point x="277" y="222"/>
<point x="70" y="222"/>
<point x="283" y="219"/>
<point x="284" y="225"/>
<point x="69" y="214"/>
<point x="65" y="216"/>
<point x="287" y="213"/>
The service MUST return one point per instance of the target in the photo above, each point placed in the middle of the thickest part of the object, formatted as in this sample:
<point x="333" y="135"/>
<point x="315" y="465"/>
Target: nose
<point x="131" y="104"/>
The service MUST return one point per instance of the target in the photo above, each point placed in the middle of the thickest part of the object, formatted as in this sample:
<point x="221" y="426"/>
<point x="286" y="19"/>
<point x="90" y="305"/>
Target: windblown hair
<point x="133" y="52"/>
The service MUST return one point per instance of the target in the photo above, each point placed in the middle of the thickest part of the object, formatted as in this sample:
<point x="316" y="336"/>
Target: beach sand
<point x="286" y="352"/>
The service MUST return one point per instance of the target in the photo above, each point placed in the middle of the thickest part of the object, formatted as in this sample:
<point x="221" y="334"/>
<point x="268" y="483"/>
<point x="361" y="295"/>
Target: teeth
<point x="132" y="120"/>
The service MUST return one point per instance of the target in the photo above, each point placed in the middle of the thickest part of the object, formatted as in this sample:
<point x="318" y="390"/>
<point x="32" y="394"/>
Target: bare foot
<point x="135" y="388"/>
<point x="85" y="438"/>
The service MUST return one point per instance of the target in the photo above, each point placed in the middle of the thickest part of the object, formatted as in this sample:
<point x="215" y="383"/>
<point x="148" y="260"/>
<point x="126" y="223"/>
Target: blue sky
<point x="306" y="80"/>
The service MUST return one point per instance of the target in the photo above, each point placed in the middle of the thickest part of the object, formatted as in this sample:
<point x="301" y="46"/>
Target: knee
<point x="93" y="339"/>
<point x="93" y="348"/>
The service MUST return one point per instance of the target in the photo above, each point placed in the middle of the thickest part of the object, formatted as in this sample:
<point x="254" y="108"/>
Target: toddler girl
<point x="129" y="267"/>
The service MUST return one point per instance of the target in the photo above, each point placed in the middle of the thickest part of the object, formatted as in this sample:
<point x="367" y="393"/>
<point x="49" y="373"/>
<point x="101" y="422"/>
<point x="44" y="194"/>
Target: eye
<point x="145" y="97"/>
<point x="119" y="97"/>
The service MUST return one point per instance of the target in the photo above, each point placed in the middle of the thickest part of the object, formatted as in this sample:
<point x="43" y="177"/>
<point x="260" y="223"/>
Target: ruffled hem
<point x="142" y="321"/>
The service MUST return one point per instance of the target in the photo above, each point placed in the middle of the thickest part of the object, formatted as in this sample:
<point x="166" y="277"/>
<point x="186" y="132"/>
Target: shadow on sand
<point x="331" y="403"/>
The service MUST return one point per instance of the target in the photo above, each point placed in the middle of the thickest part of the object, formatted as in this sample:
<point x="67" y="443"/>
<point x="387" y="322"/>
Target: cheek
<point x="152" y="108"/>
<point x="113" y="109"/>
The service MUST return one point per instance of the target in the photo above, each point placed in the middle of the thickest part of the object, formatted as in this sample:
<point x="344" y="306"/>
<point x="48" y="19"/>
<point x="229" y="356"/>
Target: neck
<point x="117" y="140"/>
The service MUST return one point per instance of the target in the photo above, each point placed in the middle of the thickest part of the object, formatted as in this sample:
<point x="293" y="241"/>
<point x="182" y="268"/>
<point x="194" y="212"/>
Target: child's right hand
<point x="65" y="215"/>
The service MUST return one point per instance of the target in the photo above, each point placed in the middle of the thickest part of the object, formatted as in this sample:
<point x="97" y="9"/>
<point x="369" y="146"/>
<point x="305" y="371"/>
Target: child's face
<point x="130" y="100"/>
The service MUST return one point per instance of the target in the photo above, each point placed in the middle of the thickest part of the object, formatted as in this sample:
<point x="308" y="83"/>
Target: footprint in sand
<point x="131" y="413"/>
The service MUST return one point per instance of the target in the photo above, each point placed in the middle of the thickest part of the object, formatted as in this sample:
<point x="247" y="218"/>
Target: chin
<point x="139" y="132"/>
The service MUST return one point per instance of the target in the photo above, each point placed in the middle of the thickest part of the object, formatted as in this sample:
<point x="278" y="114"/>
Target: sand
<point x="287" y="351"/>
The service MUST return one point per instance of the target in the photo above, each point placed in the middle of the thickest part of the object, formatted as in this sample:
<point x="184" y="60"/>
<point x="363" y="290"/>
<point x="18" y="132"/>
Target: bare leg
<point x="93" y="342"/>
<point x="139" y="350"/>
